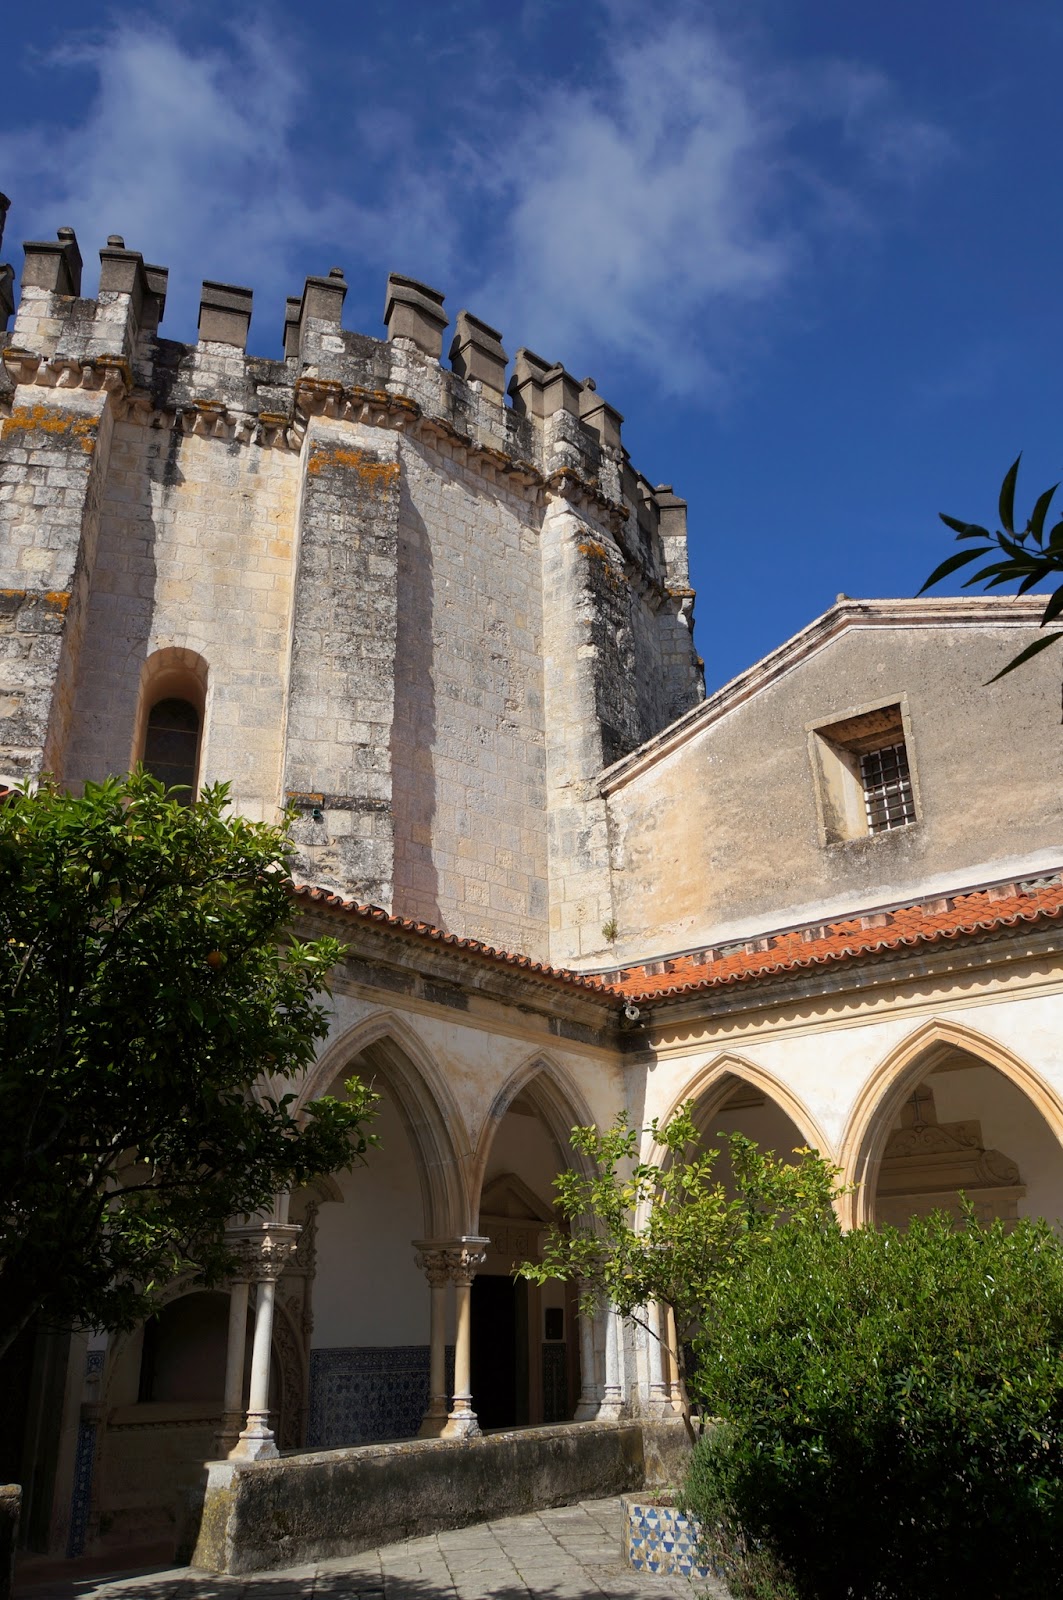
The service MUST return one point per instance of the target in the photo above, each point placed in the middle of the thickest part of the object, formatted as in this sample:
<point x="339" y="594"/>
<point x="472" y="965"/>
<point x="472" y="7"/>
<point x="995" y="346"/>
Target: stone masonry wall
<point x="53" y="459"/>
<point x="195" y="555"/>
<point x="351" y="551"/>
<point x="468" y="738"/>
<point x="342" y="687"/>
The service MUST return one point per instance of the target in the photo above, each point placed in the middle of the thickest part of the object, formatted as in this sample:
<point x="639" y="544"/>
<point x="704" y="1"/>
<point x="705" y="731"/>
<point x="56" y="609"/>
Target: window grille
<point x="887" y="787"/>
<point x="171" y="746"/>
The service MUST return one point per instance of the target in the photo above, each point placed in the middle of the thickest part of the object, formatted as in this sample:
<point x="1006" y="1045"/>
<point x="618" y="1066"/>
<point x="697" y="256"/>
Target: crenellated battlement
<point x="534" y="428"/>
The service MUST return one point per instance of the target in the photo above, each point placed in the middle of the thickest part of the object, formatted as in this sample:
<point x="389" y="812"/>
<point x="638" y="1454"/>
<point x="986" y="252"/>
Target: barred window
<point x="866" y="783"/>
<point x="171" y="746"/>
<point x="887" y="784"/>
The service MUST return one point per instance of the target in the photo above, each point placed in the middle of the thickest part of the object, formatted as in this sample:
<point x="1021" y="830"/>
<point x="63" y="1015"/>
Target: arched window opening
<point x="171" y="745"/>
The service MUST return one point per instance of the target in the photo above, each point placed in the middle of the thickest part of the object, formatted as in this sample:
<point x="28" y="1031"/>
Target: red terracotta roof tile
<point x="928" y="922"/>
<point x="474" y="947"/>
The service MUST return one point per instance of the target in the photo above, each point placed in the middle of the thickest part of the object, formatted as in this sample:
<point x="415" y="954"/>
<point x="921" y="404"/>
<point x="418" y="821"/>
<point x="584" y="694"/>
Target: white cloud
<point x="193" y="157"/>
<point x="657" y="210"/>
<point x="659" y="207"/>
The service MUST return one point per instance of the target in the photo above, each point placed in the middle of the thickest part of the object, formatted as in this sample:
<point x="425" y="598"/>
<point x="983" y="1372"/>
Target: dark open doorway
<point x="500" y="1351"/>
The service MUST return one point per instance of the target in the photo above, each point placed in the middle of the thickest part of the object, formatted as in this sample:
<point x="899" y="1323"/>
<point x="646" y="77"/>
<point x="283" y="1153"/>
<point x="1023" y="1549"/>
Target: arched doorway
<point x="732" y="1095"/>
<point x="743" y="1107"/>
<point x="525" y="1337"/>
<point x="966" y="1129"/>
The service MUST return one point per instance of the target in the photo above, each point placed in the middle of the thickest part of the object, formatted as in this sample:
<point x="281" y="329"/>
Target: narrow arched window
<point x="171" y="745"/>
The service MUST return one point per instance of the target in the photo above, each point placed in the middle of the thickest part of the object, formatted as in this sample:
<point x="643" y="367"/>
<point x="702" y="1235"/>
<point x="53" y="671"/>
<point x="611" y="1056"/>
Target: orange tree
<point x="149" y="988"/>
<point x="672" y="1231"/>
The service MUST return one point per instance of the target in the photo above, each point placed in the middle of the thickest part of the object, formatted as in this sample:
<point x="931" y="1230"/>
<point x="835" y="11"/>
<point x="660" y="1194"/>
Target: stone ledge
<point x="318" y="1505"/>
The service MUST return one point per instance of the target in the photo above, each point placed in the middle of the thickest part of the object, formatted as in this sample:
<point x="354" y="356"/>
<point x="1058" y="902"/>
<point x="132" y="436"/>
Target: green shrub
<point x="891" y="1411"/>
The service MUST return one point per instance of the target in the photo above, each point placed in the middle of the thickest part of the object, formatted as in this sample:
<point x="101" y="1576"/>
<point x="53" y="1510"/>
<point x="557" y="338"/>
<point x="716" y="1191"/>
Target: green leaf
<point x="952" y="563"/>
<point x="964" y="530"/>
<point x="1040" y="511"/>
<point x="1025" y="655"/>
<point x="1007" y="496"/>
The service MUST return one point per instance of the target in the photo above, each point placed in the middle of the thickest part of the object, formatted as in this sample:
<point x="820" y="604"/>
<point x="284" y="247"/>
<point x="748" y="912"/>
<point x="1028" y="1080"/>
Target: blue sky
<point x="812" y="249"/>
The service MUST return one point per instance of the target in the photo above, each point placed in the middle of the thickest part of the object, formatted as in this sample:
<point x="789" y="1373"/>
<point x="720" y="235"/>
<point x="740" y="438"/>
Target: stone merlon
<point x="476" y="353"/>
<point x="414" y="311"/>
<point x="53" y="264"/>
<point x="224" y="314"/>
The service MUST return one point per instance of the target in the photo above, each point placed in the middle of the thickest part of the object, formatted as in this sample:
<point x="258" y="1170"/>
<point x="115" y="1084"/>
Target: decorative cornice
<point x="110" y="372"/>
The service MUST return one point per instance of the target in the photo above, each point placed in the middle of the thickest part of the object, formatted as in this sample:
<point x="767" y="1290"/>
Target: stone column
<point x="671" y="1367"/>
<point x="659" y="1395"/>
<point x="613" y="1397"/>
<point x="263" y="1252"/>
<point x="232" y="1411"/>
<point x="432" y="1260"/>
<point x="463" y="1258"/>
<point x="587" y="1409"/>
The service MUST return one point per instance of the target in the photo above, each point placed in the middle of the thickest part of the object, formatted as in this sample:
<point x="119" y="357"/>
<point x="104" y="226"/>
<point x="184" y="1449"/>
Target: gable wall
<point x="723" y="836"/>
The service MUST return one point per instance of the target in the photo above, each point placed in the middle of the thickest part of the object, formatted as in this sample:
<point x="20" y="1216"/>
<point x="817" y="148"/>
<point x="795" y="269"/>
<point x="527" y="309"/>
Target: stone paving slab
<point x="568" y="1553"/>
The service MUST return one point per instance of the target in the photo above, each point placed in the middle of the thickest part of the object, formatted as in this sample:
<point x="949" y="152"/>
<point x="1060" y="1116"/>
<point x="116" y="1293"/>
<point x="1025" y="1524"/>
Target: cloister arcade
<point x="390" y="1304"/>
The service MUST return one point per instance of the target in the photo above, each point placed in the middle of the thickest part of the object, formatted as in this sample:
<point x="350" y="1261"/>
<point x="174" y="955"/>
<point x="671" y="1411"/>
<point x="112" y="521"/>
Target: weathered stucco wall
<point x="722" y="835"/>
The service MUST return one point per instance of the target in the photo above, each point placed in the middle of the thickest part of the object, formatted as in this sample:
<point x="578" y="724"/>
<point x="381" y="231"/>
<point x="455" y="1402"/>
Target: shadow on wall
<point x="413" y="729"/>
<point x="118" y="626"/>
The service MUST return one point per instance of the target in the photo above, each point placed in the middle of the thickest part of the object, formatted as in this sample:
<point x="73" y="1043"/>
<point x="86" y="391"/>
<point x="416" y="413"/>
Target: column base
<point x="587" y="1411"/>
<point x="611" y="1410"/>
<point x="228" y="1434"/>
<point x="461" y="1425"/>
<point x="256" y="1443"/>
<point x="433" y="1423"/>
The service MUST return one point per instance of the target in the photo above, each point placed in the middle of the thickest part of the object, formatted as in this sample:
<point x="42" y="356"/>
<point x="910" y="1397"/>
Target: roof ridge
<point x="458" y="941"/>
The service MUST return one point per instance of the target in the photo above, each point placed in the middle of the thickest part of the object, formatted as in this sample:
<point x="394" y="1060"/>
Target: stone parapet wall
<point x="269" y="1514"/>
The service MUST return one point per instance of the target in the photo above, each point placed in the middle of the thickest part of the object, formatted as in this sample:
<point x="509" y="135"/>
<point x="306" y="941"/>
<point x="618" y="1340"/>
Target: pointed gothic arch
<point x="897" y="1075"/>
<point x="386" y="1048"/>
<point x="557" y="1099"/>
<point x="713" y="1083"/>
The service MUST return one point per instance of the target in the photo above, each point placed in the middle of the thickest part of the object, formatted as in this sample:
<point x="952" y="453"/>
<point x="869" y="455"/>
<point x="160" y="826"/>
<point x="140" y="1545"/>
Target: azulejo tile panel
<point x="84" y="1460"/>
<point x="661" y="1539"/>
<point x="368" y="1393"/>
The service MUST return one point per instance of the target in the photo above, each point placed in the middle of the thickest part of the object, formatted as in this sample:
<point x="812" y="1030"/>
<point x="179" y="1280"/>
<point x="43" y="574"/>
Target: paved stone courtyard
<point x="571" y="1553"/>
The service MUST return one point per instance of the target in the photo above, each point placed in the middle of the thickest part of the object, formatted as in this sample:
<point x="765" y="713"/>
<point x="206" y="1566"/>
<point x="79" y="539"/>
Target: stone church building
<point x="419" y="593"/>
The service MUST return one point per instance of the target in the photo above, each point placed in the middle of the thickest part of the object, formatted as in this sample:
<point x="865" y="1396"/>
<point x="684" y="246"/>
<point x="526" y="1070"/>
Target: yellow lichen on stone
<point x="45" y="419"/>
<point x="375" y="474"/>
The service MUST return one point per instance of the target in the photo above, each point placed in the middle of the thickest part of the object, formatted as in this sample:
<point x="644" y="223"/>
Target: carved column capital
<point x="433" y="1263"/>
<point x="262" y="1252"/>
<point x="464" y="1257"/>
